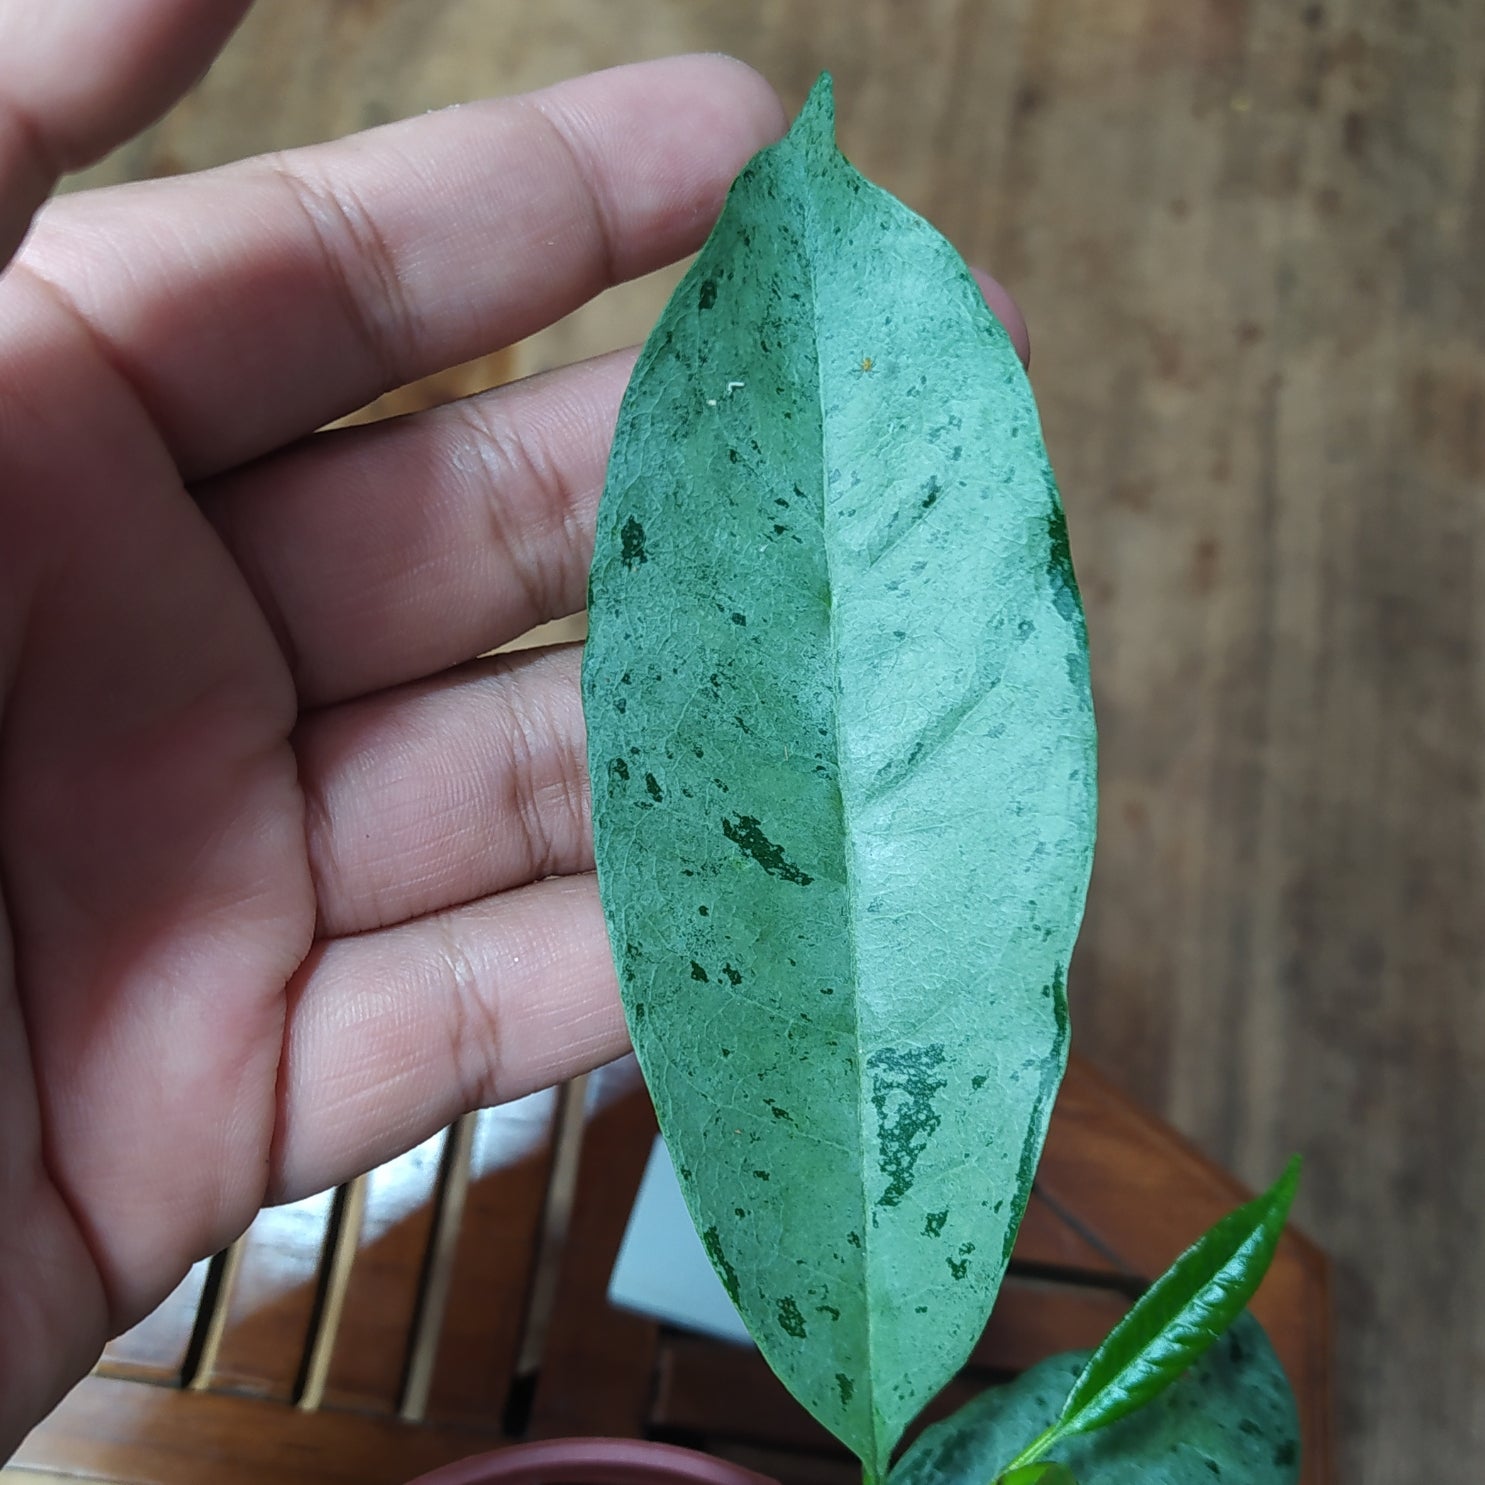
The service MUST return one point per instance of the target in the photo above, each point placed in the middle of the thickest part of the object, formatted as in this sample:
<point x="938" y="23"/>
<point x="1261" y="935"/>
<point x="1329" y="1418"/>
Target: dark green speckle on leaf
<point x="903" y="1090"/>
<point x="632" y="553"/>
<point x="711" y="1240"/>
<point x="747" y="834"/>
<point x="791" y="1322"/>
<point x="1060" y="569"/>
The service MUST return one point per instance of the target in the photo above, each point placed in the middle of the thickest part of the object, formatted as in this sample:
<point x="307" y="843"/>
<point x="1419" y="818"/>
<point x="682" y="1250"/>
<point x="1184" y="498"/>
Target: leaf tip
<point x="1282" y="1192"/>
<point x="816" y="121"/>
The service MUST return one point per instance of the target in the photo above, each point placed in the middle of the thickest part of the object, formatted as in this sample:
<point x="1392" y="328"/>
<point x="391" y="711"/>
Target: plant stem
<point x="1033" y="1451"/>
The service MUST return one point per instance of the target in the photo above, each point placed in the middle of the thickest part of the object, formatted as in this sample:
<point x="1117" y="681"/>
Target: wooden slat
<point x="790" y="1467"/>
<point x="155" y="1350"/>
<point x="211" y="1319"/>
<point x="116" y="1429"/>
<point x="342" y="1238"/>
<point x="568" y="1129"/>
<point x="595" y="1372"/>
<point x="492" y="1263"/>
<point x="271" y="1303"/>
<point x="727" y="1394"/>
<point x="720" y="1391"/>
<point x="369" y="1359"/>
<point x="448" y="1217"/>
<point x="1048" y="1239"/>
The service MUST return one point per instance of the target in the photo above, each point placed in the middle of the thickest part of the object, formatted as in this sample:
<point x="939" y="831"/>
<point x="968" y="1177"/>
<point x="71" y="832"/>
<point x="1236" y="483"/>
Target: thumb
<point x="1007" y="311"/>
<point x="81" y="77"/>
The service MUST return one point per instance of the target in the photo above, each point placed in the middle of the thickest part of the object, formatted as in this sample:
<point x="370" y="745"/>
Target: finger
<point x="392" y="1034"/>
<point x="390" y="552"/>
<point x="447" y="792"/>
<point x="80" y="77"/>
<point x="328" y="275"/>
<point x="1007" y="311"/>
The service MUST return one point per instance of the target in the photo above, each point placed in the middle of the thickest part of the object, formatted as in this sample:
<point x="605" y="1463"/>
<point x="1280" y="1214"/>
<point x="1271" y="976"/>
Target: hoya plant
<point x="842" y="749"/>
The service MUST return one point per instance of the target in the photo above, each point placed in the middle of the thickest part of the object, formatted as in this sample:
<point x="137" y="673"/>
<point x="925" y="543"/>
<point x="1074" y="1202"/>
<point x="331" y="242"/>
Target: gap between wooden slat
<point x="1076" y="1278"/>
<point x="453" y="1187"/>
<point x="1085" y="1232"/>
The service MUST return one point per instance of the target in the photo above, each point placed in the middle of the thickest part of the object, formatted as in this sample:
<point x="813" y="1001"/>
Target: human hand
<point x="290" y="880"/>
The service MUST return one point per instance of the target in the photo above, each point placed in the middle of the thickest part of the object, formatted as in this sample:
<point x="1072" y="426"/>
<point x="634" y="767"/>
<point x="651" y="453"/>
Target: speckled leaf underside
<point x="842" y="753"/>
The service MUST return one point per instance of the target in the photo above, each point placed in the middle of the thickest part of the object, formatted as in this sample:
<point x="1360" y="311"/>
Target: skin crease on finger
<point x="446" y="791"/>
<point x="171" y="1054"/>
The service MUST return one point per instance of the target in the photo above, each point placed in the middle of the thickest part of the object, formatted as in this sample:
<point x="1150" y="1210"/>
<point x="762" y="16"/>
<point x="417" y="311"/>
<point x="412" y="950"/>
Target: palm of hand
<point x="283" y="891"/>
<point x="157" y="892"/>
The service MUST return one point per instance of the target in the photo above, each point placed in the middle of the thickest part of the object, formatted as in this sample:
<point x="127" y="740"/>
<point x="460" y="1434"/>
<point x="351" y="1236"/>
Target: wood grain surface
<point x="1249" y="237"/>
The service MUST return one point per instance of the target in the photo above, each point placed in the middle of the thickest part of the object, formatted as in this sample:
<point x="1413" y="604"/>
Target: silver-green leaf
<point x="842" y="752"/>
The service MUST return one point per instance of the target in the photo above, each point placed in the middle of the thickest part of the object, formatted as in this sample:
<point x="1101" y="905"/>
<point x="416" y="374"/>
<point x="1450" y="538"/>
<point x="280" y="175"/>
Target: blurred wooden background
<point x="1249" y="236"/>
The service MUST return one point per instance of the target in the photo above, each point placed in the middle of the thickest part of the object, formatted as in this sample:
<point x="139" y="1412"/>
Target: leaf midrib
<point x="801" y="166"/>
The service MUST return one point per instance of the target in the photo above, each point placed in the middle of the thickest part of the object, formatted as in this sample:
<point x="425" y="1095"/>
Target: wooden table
<point x="455" y="1299"/>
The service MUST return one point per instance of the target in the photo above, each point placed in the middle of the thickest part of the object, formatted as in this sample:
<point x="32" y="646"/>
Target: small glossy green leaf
<point x="842" y="752"/>
<point x="1180" y="1315"/>
<point x="1230" y="1420"/>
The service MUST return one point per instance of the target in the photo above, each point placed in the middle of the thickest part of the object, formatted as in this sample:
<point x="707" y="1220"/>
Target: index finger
<point x="251" y="304"/>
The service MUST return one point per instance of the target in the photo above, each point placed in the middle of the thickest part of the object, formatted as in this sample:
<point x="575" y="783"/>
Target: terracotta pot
<point x="592" y="1462"/>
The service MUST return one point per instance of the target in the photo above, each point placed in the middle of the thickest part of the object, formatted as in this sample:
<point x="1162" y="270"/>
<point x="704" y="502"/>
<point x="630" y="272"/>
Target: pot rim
<point x="592" y="1461"/>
